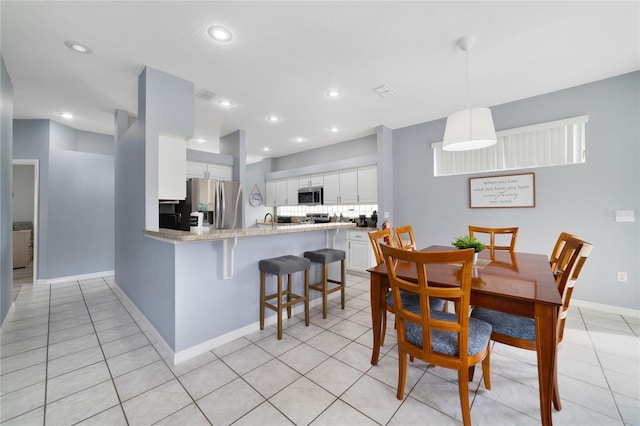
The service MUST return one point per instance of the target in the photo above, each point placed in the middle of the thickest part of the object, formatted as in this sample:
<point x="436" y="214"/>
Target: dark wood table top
<point x="518" y="276"/>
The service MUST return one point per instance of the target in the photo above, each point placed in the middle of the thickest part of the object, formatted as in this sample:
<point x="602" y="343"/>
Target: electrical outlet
<point x="622" y="277"/>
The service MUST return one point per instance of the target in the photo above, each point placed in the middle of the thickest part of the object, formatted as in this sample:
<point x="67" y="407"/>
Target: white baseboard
<point x="146" y="326"/>
<point x="76" y="277"/>
<point x="606" y="308"/>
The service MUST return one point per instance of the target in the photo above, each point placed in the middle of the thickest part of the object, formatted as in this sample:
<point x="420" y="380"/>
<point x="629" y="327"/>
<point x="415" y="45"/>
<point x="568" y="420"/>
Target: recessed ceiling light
<point x="299" y="139"/>
<point x="225" y="103"/>
<point x="78" y="47"/>
<point x="334" y="129"/>
<point x="66" y="115"/>
<point x="266" y="149"/>
<point x="201" y="140"/>
<point x="273" y="118"/>
<point x="333" y="93"/>
<point x="220" y="33"/>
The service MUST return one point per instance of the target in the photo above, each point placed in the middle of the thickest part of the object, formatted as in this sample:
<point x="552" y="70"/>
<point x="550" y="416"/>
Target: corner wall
<point x="579" y="199"/>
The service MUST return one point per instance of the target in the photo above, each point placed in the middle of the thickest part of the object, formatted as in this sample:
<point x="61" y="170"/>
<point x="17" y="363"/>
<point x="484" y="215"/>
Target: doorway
<point x="25" y="195"/>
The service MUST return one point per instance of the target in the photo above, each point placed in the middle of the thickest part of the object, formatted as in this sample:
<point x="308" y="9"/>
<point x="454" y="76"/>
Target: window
<point x="553" y="143"/>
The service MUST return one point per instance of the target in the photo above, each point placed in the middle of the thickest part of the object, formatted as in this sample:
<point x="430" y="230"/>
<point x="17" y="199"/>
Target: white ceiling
<point x="285" y="56"/>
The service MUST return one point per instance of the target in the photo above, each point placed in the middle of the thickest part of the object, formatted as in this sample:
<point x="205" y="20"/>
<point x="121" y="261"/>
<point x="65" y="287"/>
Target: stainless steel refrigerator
<point x="219" y="200"/>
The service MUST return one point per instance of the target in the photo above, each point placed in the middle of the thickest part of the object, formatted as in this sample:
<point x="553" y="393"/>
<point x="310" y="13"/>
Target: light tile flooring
<point x="71" y="353"/>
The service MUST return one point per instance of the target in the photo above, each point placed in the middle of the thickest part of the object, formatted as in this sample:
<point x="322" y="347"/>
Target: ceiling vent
<point x="206" y="94"/>
<point x="384" y="91"/>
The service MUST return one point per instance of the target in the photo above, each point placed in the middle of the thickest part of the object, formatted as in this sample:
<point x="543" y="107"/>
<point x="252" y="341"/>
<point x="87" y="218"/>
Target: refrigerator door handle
<point x="216" y="200"/>
<point x="223" y="206"/>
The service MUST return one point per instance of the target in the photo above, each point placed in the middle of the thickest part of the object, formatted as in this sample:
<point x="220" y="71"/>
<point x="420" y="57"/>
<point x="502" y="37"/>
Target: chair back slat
<point x="570" y="261"/>
<point x="405" y="238"/>
<point x="377" y="238"/>
<point x="496" y="238"/>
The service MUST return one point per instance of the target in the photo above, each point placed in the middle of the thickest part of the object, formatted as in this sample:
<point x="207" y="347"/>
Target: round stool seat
<point x="284" y="265"/>
<point x="325" y="255"/>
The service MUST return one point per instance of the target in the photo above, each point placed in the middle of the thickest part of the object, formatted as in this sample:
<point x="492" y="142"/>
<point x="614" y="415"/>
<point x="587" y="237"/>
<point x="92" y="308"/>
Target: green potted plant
<point x="469" y="242"/>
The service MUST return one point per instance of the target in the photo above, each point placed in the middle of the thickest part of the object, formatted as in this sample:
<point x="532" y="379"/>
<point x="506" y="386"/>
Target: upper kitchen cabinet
<point x="368" y="184"/>
<point x="198" y="169"/>
<point x="172" y="167"/>
<point x="311" y="181"/>
<point x="282" y="192"/>
<point x="341" y="187"/>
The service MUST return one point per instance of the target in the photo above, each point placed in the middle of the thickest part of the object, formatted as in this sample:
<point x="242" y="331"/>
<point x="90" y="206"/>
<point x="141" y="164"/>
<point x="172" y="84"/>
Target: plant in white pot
<point x="469" y="242"/>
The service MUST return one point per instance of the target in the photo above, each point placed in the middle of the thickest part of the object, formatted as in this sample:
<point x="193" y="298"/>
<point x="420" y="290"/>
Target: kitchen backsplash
<point x="353" y="211"/>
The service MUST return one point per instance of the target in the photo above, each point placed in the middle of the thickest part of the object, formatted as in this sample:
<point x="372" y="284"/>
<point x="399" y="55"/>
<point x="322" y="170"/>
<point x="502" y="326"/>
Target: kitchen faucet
<point x="265" y="219"/>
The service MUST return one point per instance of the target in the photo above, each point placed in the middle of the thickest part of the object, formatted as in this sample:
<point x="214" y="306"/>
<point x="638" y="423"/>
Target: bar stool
<point x="326" y="256"/>
<point x="280" y="266"/>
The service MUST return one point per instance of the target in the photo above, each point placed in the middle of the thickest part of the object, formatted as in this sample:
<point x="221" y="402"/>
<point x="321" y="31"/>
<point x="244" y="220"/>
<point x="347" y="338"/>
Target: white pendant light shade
<point x="469" y="129"/>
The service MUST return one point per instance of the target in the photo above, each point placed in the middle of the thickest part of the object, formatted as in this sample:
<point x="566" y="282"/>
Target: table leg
<point x="546" y="345"/>
<point x="375" y="292"/>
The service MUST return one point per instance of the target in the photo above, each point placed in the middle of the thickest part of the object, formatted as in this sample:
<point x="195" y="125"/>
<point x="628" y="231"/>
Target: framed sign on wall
<point x="503" y="191"/>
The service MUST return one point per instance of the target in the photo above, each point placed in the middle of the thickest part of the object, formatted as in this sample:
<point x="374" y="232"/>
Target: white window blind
<point x="552" y="143"/>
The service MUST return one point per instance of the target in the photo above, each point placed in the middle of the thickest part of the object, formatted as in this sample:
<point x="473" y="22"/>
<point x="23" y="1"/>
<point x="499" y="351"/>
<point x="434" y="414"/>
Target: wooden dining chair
<point x="496" y="238"/>
<point x="557" y="249"/>
<point x="514" y="330"/>
<point x="439" y="338"/>
<point x="378" y="239"/>
<point x="405" y="238"/>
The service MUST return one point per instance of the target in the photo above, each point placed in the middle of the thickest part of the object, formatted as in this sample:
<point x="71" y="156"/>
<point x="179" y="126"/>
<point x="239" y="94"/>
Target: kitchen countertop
<point x="222" y="234"/>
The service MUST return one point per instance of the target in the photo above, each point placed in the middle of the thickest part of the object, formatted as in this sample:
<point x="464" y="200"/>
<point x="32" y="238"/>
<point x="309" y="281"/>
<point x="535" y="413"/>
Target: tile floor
<point x="71" y="353"/>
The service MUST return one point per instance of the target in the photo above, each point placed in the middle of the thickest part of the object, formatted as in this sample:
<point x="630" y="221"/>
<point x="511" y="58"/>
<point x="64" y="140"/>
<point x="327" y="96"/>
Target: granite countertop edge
<point x="222" y="234"/>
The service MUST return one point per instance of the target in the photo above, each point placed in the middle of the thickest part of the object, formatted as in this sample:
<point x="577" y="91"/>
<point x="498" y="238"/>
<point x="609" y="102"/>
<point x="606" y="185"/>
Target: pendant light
<point x="471" y="128"/>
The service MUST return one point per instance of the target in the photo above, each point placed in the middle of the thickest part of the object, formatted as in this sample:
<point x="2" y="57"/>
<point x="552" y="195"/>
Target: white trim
<point x="606" y="308"/>
<point x="543" y="126"/>
<point x="201" y="348"/>
<point x="146" y="327"/>
<point x="76" y="277"/>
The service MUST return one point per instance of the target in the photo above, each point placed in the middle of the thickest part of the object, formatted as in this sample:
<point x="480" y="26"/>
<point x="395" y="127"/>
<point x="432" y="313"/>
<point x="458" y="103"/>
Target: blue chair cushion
<point x="325" y="255"/>
<point x="284" y="265"/>
<point x="446" y="342"/>
<point x="507" y="324"/>
<point x="411" y="301"/>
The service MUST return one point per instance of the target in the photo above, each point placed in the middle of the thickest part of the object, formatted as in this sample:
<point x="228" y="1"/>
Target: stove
<point x="318" y="217"/>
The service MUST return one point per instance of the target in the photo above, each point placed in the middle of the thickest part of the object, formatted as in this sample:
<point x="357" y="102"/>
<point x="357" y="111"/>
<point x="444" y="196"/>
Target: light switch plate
<point x="625" y="216"/>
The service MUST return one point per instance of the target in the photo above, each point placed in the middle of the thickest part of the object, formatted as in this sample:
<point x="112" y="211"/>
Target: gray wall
<point x="6" y="148"/>
<point x="255" y="176"/>
<point x="144" y="267"/>
<point x="360" y="147"/>
<point x="577" y="199"/>
<point x="23" y="193"/>
<point x="75" y="202"/>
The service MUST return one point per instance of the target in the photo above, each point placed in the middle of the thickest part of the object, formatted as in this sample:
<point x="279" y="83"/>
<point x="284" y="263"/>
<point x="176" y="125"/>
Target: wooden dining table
<point x="516" y="283"/>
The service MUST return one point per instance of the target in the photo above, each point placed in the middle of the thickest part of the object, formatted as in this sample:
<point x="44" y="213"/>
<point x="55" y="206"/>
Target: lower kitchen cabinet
<point x="360" y="256"/>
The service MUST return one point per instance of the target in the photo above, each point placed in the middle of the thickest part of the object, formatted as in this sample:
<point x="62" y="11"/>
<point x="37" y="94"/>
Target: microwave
<point x="310" y="196"/>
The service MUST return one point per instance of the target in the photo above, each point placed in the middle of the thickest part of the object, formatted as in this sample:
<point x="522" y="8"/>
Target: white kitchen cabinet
<point x="286" y="192"/>
<point x="311" y="181"/>
<point x="341" y="187"/>
<point x="360" y="255"/>
<point x="197" y="169"/>
<point x="271" y="193"/>
<point x="172" y="167"/>
<point x="368" y="184"/>
<point x="349" y="186"/>
<point x="332" y="188"/>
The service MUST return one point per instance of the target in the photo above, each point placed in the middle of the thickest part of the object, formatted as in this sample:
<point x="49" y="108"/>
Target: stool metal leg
<point x="262" y="304"/>
<point x="343" y="280"/>
<point x="279" y="311"/>
<point x="306" y="295"/>
<point x="325" y="274"/>
<point x="288" y="296"/>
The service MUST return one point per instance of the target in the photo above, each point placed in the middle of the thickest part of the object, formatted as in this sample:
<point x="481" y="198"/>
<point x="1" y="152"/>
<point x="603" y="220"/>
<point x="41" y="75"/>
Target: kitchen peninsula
<point x="209" y="292"/>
